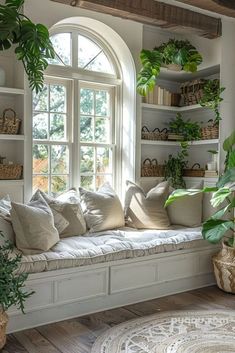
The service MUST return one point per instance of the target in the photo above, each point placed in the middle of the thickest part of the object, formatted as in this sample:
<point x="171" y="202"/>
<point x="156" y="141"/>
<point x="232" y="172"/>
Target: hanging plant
<point x="189" y="130"/>
<point x="211" y="98"/>
<point x="177" y="52"/>
<point x="31" y="41"/>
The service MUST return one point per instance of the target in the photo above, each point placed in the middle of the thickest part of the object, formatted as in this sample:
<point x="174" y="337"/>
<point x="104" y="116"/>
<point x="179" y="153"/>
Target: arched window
<point x="75" y="117"/>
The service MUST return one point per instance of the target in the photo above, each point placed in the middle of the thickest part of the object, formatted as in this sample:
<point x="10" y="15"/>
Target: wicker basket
<point x="9" y="125"/>
<point x="3" y="325"/>
<point x="156" y="134"/>
<point x="195" y="171"/>
<point x="11" y="171"/>
<point x="210" y="132"/>
<point x="151" y="168"/>
<point x="192" y="91"/>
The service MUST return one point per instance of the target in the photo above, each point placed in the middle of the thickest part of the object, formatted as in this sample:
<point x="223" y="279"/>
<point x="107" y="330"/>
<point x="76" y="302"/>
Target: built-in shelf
<point x="12" y="137"/>
<point x="176" y="143"/>
<point x="13" y="91"/>
<point x="212" y="179"/>
<point x="18" y="182"/>
<point x="182" y="76"/>
<point x="171" y="108"/>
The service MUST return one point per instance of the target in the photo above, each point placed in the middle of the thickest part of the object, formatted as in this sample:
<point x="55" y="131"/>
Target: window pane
<point x="40" y="126"/>
<point x="59" y="184"/>
<point x="86" y="101"/>
<point x="101" y="179"/>
<point x="87" y="160"/>
<point x="59" y="159"/>
<point x="58" y="98"/>
<point x="40" y="182"/>
<point x="101" y="103"/>
<point x="102" y="130"/>
<point x="86" y="128"/>
<point x="88" y="182"/>
<point x="40" y="100"/>
<point x="100" y="64"/>
<point x="62" y="45"/>
<point x="57" y="127"/>
<point x="104" y="160"/>
<point x="87" y="50"/>
<point x="40" y="159"/>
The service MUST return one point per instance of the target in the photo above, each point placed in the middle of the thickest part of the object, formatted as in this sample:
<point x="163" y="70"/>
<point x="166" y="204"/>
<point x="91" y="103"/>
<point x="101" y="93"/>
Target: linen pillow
<point x="146" y="211"/>
<point x="187" y="211"/>
<point x="5" y="207"/>
<point x="34" y="226"/>
<point x="102" y="209"/>
<point x="68" y="216"/>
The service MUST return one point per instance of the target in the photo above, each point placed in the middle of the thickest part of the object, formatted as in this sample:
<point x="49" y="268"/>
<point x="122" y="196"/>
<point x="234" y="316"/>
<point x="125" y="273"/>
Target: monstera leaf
<point x="214" y="230"/>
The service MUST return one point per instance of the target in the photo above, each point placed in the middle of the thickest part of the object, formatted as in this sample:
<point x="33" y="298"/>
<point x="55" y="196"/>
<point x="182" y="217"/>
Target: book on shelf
<point x="211" y="174"/>
<point x="160" y="96"/>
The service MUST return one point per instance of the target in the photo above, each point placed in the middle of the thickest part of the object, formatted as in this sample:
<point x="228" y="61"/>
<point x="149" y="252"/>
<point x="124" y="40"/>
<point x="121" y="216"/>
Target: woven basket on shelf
<point x="11" y="171"/>
<point x="151" y="168"/>
<point x="3" y="325"/>
<point x="156" y="134"/>
<point x="210" y="132"/>
<point x="192" y="91"/>
<point x="195" y="171"/>
<point x="9" y="125"/>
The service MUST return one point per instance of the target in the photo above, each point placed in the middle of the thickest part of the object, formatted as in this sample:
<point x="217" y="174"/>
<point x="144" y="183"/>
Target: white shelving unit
<point x="12" y="95"/>
<point x="176" y="143"/>
<point x="172" y="108"/>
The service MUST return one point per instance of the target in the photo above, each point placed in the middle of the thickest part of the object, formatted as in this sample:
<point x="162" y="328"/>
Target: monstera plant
<point x="31" y="41"/>
<point x="177" y="52"/>
<point x="221" y="225"/>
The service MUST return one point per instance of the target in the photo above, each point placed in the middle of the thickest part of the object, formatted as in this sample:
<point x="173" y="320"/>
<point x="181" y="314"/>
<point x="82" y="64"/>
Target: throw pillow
<point x="146" y="211"/>
<point x="5" y="207"/>
<point x="34" y="226"/>
<point x="7" y="233"/>
<point x="102" y="209"/>
<point x="187" y="211"/>
<point x="68" y="216"/>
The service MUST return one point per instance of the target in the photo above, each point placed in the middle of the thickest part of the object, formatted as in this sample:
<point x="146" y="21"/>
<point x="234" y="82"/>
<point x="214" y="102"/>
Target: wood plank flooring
<point x="78" y="335"/>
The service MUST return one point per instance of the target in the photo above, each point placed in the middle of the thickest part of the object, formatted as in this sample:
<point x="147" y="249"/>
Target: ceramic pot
<point x="173" y="67"/>
<point x="2" y="77"/>
<point x="224" y="268"/>
<point x="3" y="326"/>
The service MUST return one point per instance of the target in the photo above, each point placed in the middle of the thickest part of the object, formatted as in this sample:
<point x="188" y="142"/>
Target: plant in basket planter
<point x="221" y="225"/>
<point x="175" y="54"/>
<point x="175" y="166"/>
<point x="180" y="129"/>
<point x="31" y="41"/>
<point x="12" y="290"/>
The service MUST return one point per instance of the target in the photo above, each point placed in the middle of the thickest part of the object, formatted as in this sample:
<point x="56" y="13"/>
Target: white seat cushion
<point x="109" y="246"/>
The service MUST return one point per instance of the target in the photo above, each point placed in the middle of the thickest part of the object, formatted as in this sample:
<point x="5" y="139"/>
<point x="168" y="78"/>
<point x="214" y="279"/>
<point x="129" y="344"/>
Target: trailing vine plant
<point x="31" y="41"/>
<point x="190" y="130"/>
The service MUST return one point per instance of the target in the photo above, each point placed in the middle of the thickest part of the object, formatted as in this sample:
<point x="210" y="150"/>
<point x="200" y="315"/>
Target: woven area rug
<point x="172" y="332"/>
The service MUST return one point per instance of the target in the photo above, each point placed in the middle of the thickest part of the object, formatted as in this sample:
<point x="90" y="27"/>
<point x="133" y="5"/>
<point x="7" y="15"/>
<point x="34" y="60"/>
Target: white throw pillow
<point x="7" y="231"/>
<point x="187" y="211"/>
<point x="34" y="226"/>
<point x="102" y="209"/>
<point x="5" y="207"/>
<point x="68" y="216"/>
<point x="146" y="211"/>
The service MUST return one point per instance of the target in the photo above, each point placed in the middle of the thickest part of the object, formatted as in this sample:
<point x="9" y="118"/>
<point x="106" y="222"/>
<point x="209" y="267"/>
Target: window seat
<point x="113" y="245"/>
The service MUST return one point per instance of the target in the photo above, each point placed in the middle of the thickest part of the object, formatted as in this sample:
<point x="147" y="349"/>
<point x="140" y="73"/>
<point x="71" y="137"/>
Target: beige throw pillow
<point x="68" y="216"/>
<point x="187" y="211"/>
<point x="102" y="209"/>
<point x="34" y="226"/>
<point x="146" y="211"/>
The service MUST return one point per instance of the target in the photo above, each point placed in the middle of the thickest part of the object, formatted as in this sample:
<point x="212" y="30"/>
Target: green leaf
<point x="220" y="196"/>
<point x="231" y="159"/>
<point x="224" y="211"/>
<point x="145" y="81"/>
<point x="227" y="177"/>
<point x="181" y="193"/>
<point x="213" y="230"/>
<point x="229" y="142"/>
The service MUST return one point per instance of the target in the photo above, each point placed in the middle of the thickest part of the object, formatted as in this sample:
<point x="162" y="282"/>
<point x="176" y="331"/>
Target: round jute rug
<point x="172" y="332"/>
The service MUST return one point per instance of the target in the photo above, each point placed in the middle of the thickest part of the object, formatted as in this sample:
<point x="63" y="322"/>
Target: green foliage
<point x="215" y="228"/>
<point x="12" y="290"/>
<point x="32" y="43"/>
<point x="212" y="97"/>
<point x="189" y="129"/>
<point x="174" y="167"/>
<point x="177" y="52"/>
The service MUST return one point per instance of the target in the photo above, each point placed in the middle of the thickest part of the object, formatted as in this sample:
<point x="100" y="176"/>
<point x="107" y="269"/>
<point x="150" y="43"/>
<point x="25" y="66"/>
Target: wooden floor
<point x="78" y="335"/>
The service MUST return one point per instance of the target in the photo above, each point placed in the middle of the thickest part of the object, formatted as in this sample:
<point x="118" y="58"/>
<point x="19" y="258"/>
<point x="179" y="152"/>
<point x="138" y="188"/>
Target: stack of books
<point x="211" y="174"/>
<point x="161" y="96"/>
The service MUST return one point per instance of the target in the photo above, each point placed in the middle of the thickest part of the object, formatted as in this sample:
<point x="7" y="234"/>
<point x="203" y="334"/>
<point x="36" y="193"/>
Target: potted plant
<point x="180" y="129"/>
<point x="221" y="225"/>
<point x="31" y="41"/>
<point x="175" y="166"/>
<point x="179" y="53"/>
<point x="12" y="291"/>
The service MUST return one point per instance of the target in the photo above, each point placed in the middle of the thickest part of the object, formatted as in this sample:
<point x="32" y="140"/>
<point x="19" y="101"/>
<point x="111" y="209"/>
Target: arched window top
<point x="78" y="50"/>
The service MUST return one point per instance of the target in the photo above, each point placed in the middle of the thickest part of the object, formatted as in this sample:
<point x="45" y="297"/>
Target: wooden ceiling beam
<point x="154" y="13"/>
<point x="222" y="7"/>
